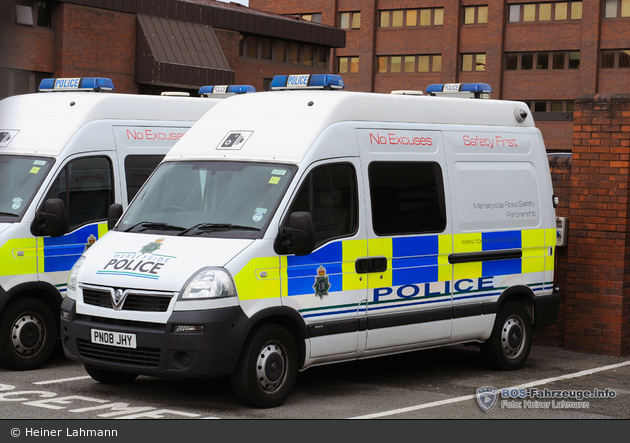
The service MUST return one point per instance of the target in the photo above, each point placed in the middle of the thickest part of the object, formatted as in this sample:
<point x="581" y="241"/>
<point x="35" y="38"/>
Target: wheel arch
<point x="521" y="294"/>
<point x="289" y="319"/>
<point x="43" y="291"/>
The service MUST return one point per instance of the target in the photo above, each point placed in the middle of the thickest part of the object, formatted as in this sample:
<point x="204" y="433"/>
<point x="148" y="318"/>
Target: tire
<point x="108" y="377"/>
<point x="511" y="339"/>
<point x="267" y="368"/>
<point x="28" y="334"/>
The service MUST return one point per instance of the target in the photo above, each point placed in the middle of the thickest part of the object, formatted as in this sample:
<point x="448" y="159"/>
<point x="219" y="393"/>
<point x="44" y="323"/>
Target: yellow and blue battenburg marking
<point x="302" y="270"/>
<point x="53" y="254"/>
<point x="61" y="253"/>
<point x="418" y="268"/>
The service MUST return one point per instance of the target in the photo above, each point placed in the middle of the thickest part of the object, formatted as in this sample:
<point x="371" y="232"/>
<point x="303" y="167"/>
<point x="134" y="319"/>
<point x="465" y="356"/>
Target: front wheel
<point x="108" y="377"/>
<point x="511" y="340"/>
<point x="267" y="369"/>
<point x="28" y="334"/>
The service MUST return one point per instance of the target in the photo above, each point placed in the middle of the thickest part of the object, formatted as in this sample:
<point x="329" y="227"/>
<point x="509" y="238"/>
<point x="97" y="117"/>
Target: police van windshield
<point x="20" y="178"/>
<point x="212" y="198"/>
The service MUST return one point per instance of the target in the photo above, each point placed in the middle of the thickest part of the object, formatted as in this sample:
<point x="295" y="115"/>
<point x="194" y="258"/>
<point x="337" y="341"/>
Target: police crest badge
<point x="487" y="397"/>
<point x="152" y="247"/>
<point x="322" y="285"/>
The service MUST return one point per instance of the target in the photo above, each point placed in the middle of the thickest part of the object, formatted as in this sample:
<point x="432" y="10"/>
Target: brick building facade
<point x="148" y="46"/>
<point x="543" y="53"/>
<point x="593" y="185"/>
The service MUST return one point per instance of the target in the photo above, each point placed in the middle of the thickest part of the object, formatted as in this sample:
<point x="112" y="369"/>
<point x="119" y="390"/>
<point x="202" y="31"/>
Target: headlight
<point x="72" y="278"/>
<point x="209" y="283"/>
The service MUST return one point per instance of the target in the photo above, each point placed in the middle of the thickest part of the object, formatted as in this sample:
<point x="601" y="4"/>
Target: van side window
<point x="86" y="187"/>
<point x="329" y="194"/>
<point x="137" y="169"/>
<point x="407" y="197"/>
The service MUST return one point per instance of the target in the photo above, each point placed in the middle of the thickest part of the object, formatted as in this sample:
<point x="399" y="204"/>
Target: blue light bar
<point x="478" y="90"/>
<point x="205" y="91"/>
<point x="307" y="81"/>
<point x="76" y="84"/>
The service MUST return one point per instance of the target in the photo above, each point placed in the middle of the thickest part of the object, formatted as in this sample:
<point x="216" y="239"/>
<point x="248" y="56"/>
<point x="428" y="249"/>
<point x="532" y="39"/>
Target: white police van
<point x="64" y="159"/>
<point x="297" y="228"/>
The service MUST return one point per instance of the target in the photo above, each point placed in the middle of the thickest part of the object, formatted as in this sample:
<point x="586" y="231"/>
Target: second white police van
<point x="290" y="229"/>
<point x="66" y="154"/>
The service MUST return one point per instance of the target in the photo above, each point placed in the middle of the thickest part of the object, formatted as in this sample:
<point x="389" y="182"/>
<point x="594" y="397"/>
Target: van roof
<point x="284" y="124"/>
<point x="42" y="118"/>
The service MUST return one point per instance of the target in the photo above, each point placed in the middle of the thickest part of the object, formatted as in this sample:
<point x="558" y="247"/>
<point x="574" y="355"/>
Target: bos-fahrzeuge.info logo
<point x="533" y="398"/>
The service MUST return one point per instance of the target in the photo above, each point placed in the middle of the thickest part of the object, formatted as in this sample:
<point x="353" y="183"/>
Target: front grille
<point x="121" y="322"/>
<point x="143" y="357"/>
<point x="133" y="301"/>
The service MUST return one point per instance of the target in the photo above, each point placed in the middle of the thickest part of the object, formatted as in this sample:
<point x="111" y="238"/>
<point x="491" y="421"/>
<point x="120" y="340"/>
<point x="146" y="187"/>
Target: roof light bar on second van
<point x="307" y="81"/>
<point x="472" y="90"/>
<point x="207" y="91"/>
<point x="76" y="84"/>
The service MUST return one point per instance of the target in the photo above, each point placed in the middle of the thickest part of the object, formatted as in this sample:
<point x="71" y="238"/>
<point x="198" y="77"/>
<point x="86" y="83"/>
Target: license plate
<point x="110" y="338"/>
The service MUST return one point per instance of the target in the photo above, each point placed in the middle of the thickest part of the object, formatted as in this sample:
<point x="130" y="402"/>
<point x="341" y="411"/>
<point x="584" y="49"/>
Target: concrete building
<point x="148" y="46"/>
<point x="545" y="53"/>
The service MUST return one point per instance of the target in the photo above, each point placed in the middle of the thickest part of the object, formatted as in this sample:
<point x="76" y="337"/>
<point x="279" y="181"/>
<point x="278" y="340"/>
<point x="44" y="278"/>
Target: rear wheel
<point x="267" y="369"/>
<point x="28" y="334"/>
<point x="511" y="340"/>
<point x="108" y="377"/>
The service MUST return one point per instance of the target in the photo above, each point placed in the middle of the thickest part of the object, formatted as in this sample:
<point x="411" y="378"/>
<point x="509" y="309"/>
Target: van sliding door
<point x="409" y="277"/>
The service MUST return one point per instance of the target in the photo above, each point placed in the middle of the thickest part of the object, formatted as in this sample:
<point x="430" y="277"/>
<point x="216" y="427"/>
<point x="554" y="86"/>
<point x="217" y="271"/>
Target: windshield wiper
<point x="210" y="227"/>
<point x="155" y="226"/>
<point x="9" y="213"/>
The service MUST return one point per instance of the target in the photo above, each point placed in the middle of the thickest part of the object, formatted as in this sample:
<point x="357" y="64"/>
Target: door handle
<point x="371" y="264"/>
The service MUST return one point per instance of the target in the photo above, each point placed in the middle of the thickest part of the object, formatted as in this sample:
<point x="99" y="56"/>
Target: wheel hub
<point x="270" y="367"/>
<point x="512" y="337"/>
<point x="27" y="334"/>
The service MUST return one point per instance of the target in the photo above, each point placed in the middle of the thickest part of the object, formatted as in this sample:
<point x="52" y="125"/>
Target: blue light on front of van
<point x="205" y="91"/>
<point x="307" y="81"/>
<point x="76" y="84"/>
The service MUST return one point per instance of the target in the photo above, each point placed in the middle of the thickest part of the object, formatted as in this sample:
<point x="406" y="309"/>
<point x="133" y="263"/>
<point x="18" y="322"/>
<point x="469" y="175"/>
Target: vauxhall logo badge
<point x="118" y="298"/>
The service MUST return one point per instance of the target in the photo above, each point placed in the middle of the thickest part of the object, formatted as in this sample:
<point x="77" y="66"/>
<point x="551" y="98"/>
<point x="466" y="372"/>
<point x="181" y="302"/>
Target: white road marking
<point x="469" y="397"/>
<point x="61" y="380"/>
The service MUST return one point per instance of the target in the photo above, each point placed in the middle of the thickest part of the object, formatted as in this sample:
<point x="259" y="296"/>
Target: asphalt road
<point x="432" y="384"/>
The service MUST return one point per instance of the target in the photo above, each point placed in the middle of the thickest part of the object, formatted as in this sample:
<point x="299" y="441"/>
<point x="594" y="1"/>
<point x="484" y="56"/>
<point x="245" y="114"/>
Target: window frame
<point x="354" y="194"/>
<point x="377" y="202"/>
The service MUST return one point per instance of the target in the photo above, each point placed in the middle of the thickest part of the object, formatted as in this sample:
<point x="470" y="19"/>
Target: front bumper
<point x="160" y="351"/>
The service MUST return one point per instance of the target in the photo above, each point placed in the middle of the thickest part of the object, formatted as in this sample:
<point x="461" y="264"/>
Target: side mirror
<point x="53" y="221"/>
<point x="299" y="237"/>
<point x="113" y="215"/>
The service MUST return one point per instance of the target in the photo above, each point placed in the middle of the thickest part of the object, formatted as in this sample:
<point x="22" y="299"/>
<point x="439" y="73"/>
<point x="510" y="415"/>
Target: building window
<point x="544" y="12"/>
<point x="267" y="46"/>
<point x="34" y="13"/>
<point x="619" y="58"/>
<point x="473" y="62"/>
<point x="15" y="82"/>
<point x="348" y="65"/>
<point x="409" y="63"/>
<point x="616" y="8"/>
<point x="283" y="51"/>
<point x="315" y="18"/>
<point x="411" y="17"/>
<point x="550" y="106"/>
<point x="350" y="20"/>
<point x="541" y="60"/>
<point x="475" y="15"/>
<point x="294" y="53"/>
